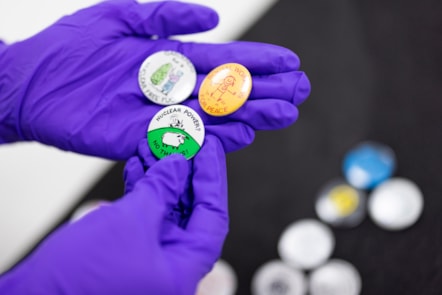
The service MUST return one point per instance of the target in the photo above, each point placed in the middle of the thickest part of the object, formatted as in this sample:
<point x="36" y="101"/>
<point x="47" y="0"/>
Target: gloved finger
<point x="168" y="18"/>
<point x="159" y="190"/>
<point x="201" y="241"/>
<point x="145" y="154"/>
<point x="209" y="183"/>
<point x="137" y="166"/>
<point x="233" y="135"/>
<point x="261" y="114"/>
<point x="292" y="86"/>
<point x="209" y="221"/>
<point x="267" y="114"/>
<point x="258" y="58"/>
<point x="133" y="171"/>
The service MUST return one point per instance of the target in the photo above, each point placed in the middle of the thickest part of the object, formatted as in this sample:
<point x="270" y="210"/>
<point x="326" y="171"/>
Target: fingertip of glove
<point x="202" y="17"/>
<point x="212" y="17"/>
<point x="288" y="60"/>
<point x="303" y="89"/>
<point x="291" y="114"/>
<point x="177" y="162"/>
<point x="249" y="134"/>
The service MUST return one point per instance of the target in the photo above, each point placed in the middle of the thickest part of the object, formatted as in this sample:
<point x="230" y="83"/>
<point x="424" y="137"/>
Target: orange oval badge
<point x="225" y="89"/>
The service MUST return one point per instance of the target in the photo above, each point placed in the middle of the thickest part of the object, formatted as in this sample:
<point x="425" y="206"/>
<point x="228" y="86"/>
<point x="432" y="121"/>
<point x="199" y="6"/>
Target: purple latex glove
<point x="133" y="246"/>
<point x="75" y="86"/>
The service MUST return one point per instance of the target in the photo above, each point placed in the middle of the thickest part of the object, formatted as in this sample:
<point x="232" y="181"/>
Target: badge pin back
<point x="340" y="204"/>
<point x="167" y="77"/>
<point x="368" y="164"/>
<point x="276" y="277"/>
<point x="225" y="89"/>
<point x="175" y="129"/>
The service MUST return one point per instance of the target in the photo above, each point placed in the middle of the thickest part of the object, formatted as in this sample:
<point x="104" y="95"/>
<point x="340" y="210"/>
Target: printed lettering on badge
<point x="176" y="129"/>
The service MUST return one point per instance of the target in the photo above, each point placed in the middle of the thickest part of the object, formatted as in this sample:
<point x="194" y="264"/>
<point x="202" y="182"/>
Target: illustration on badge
<point x="172" y="74"/>
<point x="226" y="84"/>
<point x="174" y="139"/>
<point x="167" y="77"/>
<point x="345" y="199"/>
<point x="175" y="129"/>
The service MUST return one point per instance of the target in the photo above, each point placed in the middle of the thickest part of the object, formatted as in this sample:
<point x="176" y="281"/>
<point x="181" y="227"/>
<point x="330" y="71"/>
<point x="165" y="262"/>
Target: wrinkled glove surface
<point x="75" y="86"/>
<point x="137" y="245"/>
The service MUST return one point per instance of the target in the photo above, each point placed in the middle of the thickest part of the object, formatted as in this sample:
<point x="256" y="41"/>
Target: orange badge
<point x="225" y="89"/>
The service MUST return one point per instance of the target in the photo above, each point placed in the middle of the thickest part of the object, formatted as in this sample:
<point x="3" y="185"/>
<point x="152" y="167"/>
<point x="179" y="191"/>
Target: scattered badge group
<point x="305" y="246"/>
<point x="168" y="78"/>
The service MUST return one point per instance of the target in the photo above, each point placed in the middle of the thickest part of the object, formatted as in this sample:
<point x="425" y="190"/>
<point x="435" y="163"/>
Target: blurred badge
<point x="306" y="244"/>
<point x="221" y="280"/>
<point x="369" y="164"/>
<point x="175" y="129"/>
<point x="396" y="204"/>
<point x="277" y="278"/>
<point x="340" y="204"/>
<point x="336" y="277"/>
<point x="225" y="89"/>
<point x="167" y="77"/>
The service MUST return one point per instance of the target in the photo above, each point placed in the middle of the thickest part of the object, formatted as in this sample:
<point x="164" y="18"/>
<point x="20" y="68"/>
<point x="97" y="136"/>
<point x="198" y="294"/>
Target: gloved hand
<point x="75" y="86"/>
<point x="135" y="246"/>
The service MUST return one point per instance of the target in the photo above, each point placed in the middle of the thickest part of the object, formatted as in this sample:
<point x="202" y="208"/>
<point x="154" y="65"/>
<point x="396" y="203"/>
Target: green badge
<point x="175" y="129"/>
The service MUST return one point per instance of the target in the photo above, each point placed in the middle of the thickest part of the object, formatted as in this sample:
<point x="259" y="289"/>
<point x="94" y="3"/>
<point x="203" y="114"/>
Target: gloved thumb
<point x="159" y="189"/>
<point x="133" y="171"/>
<point x="137" y="165"/>
<point x="168" y="18"/>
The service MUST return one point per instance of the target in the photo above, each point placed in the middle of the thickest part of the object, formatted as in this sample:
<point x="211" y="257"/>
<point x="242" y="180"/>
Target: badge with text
<point x="225" y="89"/>
<point x="175" y="129"/>
<point x="167" y="77"/>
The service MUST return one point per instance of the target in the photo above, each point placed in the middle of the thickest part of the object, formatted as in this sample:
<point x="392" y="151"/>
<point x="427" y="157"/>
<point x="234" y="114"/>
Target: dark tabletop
<point x="376" y="73"/>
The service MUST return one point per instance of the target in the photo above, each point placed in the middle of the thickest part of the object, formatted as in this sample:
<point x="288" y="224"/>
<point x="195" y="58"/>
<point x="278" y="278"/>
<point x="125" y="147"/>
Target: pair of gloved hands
<point x="74" y="86"/>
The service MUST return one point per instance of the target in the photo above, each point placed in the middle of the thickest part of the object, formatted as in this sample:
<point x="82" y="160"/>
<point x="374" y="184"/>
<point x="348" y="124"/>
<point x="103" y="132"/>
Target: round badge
<point x="276" y="277"/>
<point x="396" y="204"/>
<point x="167" y="77"/>
<point x="368" y="164"/>
<point x="225" y="89"/>
<point x="336" y="277"/>
<point x="175" y="129"/>
<point x="221" y="280"/>
<point x="306" y="244"/>
<point x="340" y="204"/>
